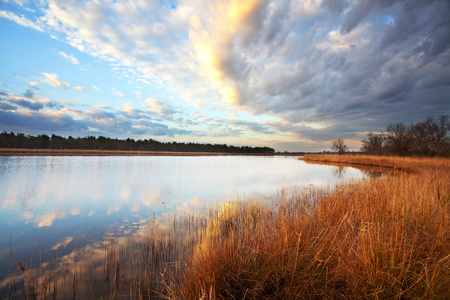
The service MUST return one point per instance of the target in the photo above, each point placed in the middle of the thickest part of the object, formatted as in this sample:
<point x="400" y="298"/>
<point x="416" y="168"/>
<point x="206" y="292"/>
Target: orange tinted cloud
<point x="213" y="42"/>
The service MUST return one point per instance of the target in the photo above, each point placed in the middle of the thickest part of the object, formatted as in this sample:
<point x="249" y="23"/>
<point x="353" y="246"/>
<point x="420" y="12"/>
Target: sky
<point x="288" y="74"/>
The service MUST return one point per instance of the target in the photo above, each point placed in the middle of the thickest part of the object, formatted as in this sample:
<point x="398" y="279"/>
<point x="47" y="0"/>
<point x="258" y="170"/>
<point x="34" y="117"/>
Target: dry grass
<point x="381" y="238"/>
<point x="396" y="162"/>
<point x="378" y="239"/>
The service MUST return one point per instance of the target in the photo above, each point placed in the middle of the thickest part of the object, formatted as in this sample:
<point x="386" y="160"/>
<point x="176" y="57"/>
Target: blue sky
<point x="292" y="75"/>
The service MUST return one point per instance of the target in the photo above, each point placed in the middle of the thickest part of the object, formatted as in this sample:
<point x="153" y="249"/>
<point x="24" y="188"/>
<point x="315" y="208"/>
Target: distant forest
<point x="43" y="141"/>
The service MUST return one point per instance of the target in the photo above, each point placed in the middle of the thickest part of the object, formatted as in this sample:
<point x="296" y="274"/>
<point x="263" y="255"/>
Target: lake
<point x="53" y="204"/>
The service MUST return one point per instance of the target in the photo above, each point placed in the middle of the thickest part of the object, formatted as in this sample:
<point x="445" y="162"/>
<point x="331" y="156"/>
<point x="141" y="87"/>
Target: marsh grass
<point x="380" y="238"/>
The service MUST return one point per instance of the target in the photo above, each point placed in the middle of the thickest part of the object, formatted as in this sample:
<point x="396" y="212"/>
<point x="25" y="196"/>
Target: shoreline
<point x="82" y="152"/>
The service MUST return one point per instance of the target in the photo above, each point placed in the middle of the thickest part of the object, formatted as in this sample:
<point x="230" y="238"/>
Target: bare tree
<point x="430" y="137"/>
<point x="421" y="137"/>
<point x="439" y="133"/>
<point x="374" y="143"/>
<point x="339" y="146"/>
<point x="399" y="138"/>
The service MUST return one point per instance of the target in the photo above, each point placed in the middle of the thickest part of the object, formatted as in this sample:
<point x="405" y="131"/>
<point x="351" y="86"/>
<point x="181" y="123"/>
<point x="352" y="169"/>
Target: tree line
<point x="429" y="137"/>
<point x="43" y="141"/>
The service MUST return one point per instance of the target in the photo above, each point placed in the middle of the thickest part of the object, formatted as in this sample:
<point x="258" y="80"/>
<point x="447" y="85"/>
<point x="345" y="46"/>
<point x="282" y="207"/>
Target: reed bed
<point x="381" y="238"/>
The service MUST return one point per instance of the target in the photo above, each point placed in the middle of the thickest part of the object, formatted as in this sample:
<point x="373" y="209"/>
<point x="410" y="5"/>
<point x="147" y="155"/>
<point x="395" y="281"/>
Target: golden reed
<point x="381" y="238"/>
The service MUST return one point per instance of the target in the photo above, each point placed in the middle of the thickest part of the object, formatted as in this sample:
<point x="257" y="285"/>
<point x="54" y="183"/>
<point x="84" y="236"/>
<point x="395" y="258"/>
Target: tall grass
<point x="380" y="238"/>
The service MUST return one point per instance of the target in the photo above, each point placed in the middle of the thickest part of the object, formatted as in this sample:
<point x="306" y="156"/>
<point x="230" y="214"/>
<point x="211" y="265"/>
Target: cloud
<point x="34" y="85"/>
<point x="99" y="114"/>
<point x="134" y="113"/>
<point x="37" y="103"/>
<point x="157" y="129"/>
<point x="160" y="107"/>
<point x="70" y="57"/>
<point x="300" y="62"/>
<point x="117" y="93"/>
<point x="42" y="121"/>
<point x="29" y="94"/>
<point x="95" y="87"/>
<point x="20" y="20"/>
<point x="214" y="45"/>
<point x="53" y="80"/>
<point x="6" y="106"/>
<point x="301" y="67"/>
<point x="80" y="88"/>
<point x="253" y="126"/>
<point x="33" y="105"/>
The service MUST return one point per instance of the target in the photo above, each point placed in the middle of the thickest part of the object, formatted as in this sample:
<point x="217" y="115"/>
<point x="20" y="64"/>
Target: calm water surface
<point x="53" y="204"/>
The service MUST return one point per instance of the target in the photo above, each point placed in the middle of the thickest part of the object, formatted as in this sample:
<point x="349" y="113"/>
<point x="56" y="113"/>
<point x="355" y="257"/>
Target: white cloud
<point x="80" y="88"/>
<point x="138" y="94"/>
<point x="117" y="93"/>
<point x="20" y="20"/>
<point x="70" y="57"/>
<point x="53" y="80"/>
<point x="19" y="2"/>
<point x="98" y="89"/>
<point x="33" y="84"/>
<point x="159" y="106"/>
<point x="216" y="37"/>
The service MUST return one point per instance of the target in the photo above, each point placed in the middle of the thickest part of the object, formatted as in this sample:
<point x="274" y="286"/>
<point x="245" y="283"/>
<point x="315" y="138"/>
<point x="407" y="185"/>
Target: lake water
<point x="52" y="204"/>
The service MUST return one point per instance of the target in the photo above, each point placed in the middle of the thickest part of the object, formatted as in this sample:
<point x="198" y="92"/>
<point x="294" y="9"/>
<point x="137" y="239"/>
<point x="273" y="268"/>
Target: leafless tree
<point x="399" y="138"/>
<point x="374" y="143"/>
<point x="339" y="146"/>
<point x="440" y="128"/>
<point x="430" y="137"/>
<point x="421" y="134"/>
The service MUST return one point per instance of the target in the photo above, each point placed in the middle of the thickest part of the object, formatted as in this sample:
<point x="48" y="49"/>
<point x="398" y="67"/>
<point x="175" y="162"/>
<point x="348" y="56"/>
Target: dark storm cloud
<point x="6" y="106"/>
<point x="36" y="104"/>
<point x="361" y="11"/>
<point x="29" y="104"/>
<point x="386" y="60"/>
<point x="41" y="121"/>
<point x="334" y="6"/>
<point x="29" y="94"/>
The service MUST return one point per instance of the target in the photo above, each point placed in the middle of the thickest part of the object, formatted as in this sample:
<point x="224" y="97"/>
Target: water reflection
<point x="72" y="202"/>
